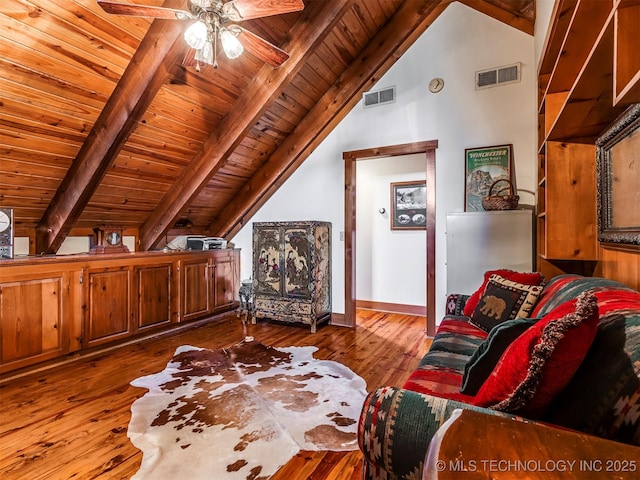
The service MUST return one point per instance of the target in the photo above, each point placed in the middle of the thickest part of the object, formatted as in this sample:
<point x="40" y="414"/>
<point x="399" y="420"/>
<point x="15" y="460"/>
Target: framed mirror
<point x="618" y="174"/>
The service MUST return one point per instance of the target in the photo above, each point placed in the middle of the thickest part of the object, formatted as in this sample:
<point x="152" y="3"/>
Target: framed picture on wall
<point x="483" y="167"/>
<point x="618" y="172"/>
<point x="409" y="205"/>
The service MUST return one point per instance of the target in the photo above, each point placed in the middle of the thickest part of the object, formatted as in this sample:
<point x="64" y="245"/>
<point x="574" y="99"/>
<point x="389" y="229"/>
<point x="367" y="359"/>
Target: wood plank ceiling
<point x="102" y="124"/>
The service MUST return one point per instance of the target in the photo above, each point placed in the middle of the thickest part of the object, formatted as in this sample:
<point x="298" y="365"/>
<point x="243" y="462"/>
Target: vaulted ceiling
<point x="102" y="122"/>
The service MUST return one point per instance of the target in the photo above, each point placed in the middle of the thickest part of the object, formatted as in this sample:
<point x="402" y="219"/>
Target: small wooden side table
<point x="475" y="446"/>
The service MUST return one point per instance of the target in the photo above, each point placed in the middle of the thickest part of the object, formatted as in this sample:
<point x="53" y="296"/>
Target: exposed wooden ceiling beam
<point x="309" y="31"/>
<point x="135" y="91"/>
<point x="407" y="24"/>
<point x="519" y="14"/>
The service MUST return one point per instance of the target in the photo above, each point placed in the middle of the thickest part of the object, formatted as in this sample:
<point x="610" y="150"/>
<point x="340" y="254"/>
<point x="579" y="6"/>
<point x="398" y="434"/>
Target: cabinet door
<point x="153" y="294"/>
<point x="195" y="282"/>
<point x="33" y="320"/>
<point x="267" y="261"/>
<point x="108" y="306"/>
<point x="224" y="281"/>
<point x="298" y="243"/>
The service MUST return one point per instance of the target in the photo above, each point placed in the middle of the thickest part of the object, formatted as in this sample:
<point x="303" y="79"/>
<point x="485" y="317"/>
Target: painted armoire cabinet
<point x="292" y="272"/>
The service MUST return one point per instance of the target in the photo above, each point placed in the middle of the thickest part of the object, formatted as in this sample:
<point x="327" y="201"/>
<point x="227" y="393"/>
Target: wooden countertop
<point x="86" y="257"/>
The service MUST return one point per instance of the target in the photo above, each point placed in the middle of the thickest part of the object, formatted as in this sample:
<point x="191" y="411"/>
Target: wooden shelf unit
<point x="588" y="75"/>
<point x="626" y="60"/>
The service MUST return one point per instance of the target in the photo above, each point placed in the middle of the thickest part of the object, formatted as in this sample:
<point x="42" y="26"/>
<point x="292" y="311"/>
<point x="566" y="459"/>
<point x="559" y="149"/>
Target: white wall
<point x="391" y="264"/>
<point x="460" y="42"/>
<point x="544" y="9"/>
<point x="70" y="246"/>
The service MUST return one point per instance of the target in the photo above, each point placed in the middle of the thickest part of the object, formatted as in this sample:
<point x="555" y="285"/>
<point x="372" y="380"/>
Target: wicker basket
<point x="500" y="202"/>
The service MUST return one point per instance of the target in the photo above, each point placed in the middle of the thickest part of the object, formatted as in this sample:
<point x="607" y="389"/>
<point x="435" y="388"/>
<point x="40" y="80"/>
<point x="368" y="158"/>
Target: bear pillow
<point x="504" y="300"/>
<point x="526" y="278"/>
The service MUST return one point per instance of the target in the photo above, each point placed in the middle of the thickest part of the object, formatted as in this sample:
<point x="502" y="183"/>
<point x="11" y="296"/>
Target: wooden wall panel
<point x="621" y="265"/>
<point x="571" y="184"/>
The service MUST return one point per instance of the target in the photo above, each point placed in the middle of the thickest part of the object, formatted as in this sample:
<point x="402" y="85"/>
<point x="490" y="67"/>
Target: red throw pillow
<point x="539" y="364"/>
<point x="526" y="278"/>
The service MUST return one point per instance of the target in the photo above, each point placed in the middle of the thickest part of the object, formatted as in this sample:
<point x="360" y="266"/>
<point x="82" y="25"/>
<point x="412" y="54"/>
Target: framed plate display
<point x="409" y="205"/>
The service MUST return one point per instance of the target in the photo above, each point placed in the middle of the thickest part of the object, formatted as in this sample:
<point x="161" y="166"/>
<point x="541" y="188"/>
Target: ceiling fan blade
<point x="265" y="51"/>
<point x="135" y="10"/>
<point x="238" y="10"/>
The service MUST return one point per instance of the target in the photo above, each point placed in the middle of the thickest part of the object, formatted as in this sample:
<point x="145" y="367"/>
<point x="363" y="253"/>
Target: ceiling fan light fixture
<point x="196" y="35"/>
<point x="230" y="43"/>
<point x="210" y="24"/>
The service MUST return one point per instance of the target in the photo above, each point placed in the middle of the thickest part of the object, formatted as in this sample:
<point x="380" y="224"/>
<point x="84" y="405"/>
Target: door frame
<point x="350" y="160"/>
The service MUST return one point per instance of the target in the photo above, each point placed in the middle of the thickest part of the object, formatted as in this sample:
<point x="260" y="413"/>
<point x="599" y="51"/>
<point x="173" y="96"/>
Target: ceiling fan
<point x="212" y="22"/>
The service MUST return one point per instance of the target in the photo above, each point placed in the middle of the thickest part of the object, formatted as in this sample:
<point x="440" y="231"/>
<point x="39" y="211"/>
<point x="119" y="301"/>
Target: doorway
<point x="350" y="161"/>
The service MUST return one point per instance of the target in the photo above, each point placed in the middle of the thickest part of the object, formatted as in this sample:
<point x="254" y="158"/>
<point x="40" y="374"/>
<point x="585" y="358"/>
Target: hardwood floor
<point x="72" y="422"/>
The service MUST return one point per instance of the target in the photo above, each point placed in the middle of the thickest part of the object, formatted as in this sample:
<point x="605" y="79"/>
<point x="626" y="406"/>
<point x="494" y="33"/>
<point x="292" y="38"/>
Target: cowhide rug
<point x="243" y="412"/>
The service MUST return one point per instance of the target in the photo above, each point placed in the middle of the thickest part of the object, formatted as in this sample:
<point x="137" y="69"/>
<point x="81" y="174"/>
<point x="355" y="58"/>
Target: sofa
<point x="597" y="390"/>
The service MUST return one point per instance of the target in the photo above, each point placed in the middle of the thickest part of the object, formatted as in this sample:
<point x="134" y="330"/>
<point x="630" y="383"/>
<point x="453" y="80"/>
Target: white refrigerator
<point x="481" y="241"/>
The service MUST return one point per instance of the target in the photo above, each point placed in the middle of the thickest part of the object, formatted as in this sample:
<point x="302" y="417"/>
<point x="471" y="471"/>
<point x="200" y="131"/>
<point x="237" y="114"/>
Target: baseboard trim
<point x="392" y="307"/>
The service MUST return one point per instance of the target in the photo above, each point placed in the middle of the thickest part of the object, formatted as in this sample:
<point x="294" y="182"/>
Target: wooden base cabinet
<point x="127" y="299"/>
<point x="210" y="285"/>
<point x="292" y="272"/>
<point x="53" y="306"/>
<point x="36" y="316"/>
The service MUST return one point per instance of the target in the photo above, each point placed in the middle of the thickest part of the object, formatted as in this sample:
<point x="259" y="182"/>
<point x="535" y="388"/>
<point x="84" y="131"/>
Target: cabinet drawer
<point x="282" y="309"/>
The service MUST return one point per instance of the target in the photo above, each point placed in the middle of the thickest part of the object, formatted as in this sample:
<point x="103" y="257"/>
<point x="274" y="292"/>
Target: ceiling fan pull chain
<point x="215" y="44"/>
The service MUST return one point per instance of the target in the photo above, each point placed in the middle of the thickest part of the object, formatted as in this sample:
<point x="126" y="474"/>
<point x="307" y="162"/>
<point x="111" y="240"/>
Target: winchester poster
<point x="484" y="166"/>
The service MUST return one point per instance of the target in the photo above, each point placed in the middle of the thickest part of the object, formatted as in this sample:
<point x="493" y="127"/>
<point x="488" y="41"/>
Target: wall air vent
<point x="498" y="76"/>
<point x="378" y="97"/>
